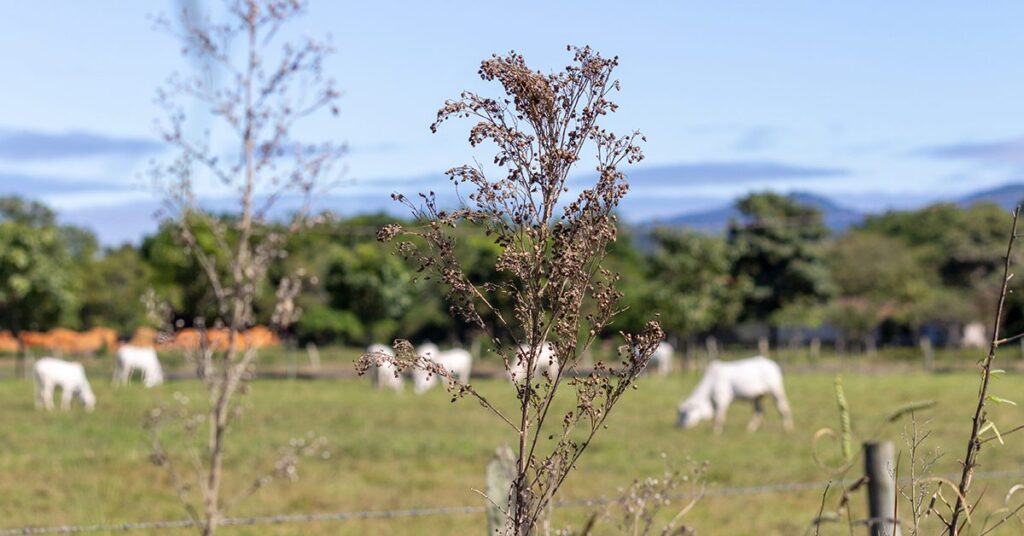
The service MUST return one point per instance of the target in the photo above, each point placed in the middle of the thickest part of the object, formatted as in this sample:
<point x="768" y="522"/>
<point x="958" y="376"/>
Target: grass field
<point x="397" y="450"/>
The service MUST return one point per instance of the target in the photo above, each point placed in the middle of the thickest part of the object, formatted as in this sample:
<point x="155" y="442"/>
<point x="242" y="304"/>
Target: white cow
<point x="457" y="361"/>
<point x="51" y="373"/>
<point x="547" y="362"/>
<point x="745" y="379"/>
<point x="975" y="336"/>
<point x="662" y="358"/>
<point x="141" y="358"/>
<point x="386" y="374"/>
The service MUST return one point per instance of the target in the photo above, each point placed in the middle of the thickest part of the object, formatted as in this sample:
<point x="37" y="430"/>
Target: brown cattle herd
<point x="68" y="342"/>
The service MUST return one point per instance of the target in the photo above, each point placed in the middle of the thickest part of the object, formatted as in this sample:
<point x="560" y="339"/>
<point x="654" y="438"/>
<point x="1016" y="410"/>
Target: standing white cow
<point x="386" y="374"/>
<point x="51" y="373"/>
<point x="141" y="358"/>
<point x="662" y="358"/>
<point x="547" y="362"/>
<point x="457" y="361"/>
<point x="746" y="379"/>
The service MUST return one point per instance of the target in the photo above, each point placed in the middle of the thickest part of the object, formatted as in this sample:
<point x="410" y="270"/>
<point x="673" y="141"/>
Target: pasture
<point x="397" y="450"/>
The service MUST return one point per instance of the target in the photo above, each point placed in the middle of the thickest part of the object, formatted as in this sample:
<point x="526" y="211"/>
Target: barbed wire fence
<point x="287" y="519"/>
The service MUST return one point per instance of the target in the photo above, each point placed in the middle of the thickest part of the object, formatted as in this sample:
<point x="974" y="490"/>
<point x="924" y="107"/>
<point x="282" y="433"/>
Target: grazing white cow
<point x="457" y="361"/>
<point x="746" y="379"/>
<point x="386" y="374"/>
<point x="662" y="358"/>
<point x="51" y="373"/>
<point x="547" y="362"/>
<point x="975" y="336"/>
<point x="141" y="358"/>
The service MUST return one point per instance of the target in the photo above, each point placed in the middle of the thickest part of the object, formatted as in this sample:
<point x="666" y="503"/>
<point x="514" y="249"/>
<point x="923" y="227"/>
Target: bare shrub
<point x="551" y="260"/>
<point x="264" y="92"/>
<point x="636" y="511"/>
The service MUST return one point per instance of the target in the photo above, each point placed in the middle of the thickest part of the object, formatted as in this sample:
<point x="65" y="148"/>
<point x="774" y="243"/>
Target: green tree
<point x="373" y="285"/>
<point x="878" y="278"/>
<point x="689" y="282"/>
<point x="112" y="290"/>
<point x="179" y="279"/>
<point x="779" y="248"/>
<point x="962" y="248"/>
<point x="38" y="287"/>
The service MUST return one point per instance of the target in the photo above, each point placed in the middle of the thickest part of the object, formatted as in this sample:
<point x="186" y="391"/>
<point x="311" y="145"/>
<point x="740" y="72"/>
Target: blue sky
<point x="876" y="104"/>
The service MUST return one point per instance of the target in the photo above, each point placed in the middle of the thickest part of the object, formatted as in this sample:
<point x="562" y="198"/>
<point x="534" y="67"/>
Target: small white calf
<point x="745" y="379"/>
<point x="547" y="362"/>
<point x="141" y="358"/>
<point x="457" y="361"/>
<point x="51" y="373"/>
<point x="662" y="358"/>
<point x="386" y="374"/>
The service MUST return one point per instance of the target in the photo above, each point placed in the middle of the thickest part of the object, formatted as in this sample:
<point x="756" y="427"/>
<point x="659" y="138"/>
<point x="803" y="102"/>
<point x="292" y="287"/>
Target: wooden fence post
<point x="928" y="351"/>
<point x="314" y="356"/>
<point x="871" y="346"/>
<point x="28" y="364"/>
<point x="501" y="471"/>
<point x="293" y="363"/>
<point x="878" y="462"/>
<point x="712" y="345"/>
<point x="763" y="347"/>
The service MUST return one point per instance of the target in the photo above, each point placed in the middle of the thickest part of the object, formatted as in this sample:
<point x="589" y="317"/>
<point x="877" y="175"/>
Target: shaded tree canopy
<point x="934" y="266"/>
<point x="38" y="287"/>
<point x="778" y="245"/>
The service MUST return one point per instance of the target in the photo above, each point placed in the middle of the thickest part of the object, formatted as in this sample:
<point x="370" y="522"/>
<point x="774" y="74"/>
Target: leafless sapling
<point x="256" y="90"/>
<point x="980" y="423"/>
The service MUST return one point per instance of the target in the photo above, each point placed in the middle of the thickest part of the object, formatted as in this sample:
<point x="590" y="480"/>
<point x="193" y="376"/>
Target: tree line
<point x="898" y="275"/>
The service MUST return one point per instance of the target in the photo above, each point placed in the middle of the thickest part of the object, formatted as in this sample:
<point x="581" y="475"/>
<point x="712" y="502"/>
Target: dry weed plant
<point x="636" y="511"/>
<point x="552" y="253"/>
<point x="257" y="92"/>
<point x="917" y="491"/>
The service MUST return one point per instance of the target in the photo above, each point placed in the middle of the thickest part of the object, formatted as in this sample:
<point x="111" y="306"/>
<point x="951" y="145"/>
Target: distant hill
<point x="1005" y="196"/>
<point x="837" y="217"/>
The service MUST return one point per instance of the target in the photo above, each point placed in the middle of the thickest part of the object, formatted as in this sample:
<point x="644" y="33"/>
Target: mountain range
<point x="836" y="216"/>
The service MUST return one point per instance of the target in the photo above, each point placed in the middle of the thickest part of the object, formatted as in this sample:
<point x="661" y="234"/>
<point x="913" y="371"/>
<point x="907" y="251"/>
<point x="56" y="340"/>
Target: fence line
<point x="423" y="512"/>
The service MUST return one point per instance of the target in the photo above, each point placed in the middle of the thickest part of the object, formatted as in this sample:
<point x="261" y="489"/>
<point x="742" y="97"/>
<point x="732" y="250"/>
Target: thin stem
<point x="973" y="444"/>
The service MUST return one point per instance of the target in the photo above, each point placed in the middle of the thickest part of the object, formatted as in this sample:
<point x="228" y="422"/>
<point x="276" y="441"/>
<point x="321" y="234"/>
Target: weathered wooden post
<point x="871" y="346"/>
<point x="476" y="346"/>
<point x="314" y="356"/>
<point x="28" y="364"/>
<point x="928" y="352"/>
<point x="712" y="345"/>
<point x="878" y="462"/>
<point x="293" y="364"/>
<point x="763" y="347"/>
<point x="500" y="473"/>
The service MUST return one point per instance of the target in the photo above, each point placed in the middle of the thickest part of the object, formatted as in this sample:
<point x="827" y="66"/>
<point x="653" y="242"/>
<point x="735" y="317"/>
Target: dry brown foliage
<point x="551" y="260"/>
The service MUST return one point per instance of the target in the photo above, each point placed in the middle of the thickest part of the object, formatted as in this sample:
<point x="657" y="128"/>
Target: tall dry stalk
<point x="263" y="92"/>
<point x="980" y="422"/>
<point x="551" y="260"/>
